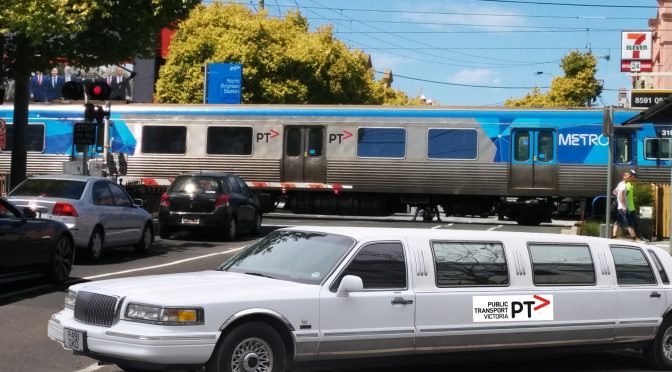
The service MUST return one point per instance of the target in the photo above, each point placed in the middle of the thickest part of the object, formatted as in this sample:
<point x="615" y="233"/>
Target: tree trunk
<point x="21" y="102"/>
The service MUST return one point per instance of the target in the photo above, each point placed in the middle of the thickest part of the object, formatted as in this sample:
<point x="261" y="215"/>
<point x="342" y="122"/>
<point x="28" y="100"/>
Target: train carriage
<point x="368" y="159"/>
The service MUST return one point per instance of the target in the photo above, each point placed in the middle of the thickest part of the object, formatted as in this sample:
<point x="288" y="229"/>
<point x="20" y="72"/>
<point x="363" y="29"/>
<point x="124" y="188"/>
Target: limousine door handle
<point x="401" y="301"/>
<point x="655" y="294"/>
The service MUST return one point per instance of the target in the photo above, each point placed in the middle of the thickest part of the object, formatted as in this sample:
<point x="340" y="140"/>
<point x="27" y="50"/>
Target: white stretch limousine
<point x="315" y="294"/>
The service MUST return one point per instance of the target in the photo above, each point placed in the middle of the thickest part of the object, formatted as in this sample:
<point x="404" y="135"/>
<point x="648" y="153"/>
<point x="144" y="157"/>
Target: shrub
<point x="590" y="228"/>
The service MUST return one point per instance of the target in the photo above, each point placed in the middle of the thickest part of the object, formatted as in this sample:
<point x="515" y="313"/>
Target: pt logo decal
<point x="265" y="136"/>
<point x="333" y="137"/>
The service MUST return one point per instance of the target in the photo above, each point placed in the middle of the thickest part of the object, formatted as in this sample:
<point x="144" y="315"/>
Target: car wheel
<point x="164" y="231"/>
<point x="95" y="248"/>
<point x="256" y="228"/>
<point x="230" y="231"/>
<point x="144" y="246"/>
<point x="62" y="260"/>
<point x="659" y="353"/>
<point x="249" y="347"/>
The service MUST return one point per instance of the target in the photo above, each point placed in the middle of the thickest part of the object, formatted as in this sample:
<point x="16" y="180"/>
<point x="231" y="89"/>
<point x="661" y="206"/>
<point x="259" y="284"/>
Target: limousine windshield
<point x="299" y="256"/>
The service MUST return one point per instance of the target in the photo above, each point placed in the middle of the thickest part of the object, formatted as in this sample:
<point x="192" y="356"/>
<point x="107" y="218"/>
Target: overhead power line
<point x="571" y="4"/>
<point x="474" y="85"/>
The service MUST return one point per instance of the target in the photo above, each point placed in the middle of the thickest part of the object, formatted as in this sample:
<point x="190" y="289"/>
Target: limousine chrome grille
<point x="96" y="309"/>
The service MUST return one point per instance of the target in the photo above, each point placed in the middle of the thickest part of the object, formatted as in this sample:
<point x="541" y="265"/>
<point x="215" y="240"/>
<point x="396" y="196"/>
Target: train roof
<point x="69" y="109"/>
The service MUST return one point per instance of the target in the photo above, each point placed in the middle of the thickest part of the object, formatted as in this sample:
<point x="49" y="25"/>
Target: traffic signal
<point x="98" y="90"/>
<point x="73" y="90"/>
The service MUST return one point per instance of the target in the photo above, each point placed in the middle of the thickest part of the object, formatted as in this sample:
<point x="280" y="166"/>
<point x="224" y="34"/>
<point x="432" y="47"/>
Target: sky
<point x="479" y="52"/>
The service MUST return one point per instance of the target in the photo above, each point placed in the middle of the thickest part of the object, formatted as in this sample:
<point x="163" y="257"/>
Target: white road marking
<point x="450" y="224"/>
<point x="437" y="227"/>
<point x="91" y="368"/>
<point x="495" y="227"/>
<point x="162" y="265"/>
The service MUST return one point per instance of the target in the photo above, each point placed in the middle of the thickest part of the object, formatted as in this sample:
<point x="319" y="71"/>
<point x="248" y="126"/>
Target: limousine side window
<point x="560" y="264"/>
<point x="659" y="266"/>
<point x="469" y="264"/>
<point x="380" y="265"/>
<point x="631" y="266"/>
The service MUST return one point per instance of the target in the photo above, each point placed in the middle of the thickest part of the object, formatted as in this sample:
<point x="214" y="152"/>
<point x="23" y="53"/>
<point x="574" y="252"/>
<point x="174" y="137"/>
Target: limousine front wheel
<point x="659" y="353"/>
<point x="250" y="347"/>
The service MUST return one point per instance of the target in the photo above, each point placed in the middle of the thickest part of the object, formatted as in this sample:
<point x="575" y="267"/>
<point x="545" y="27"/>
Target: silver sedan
<point x="98" y="212"/>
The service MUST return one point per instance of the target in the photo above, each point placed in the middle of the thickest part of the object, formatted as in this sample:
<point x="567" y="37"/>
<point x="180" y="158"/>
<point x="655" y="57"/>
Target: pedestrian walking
<point x="623" y="221"/>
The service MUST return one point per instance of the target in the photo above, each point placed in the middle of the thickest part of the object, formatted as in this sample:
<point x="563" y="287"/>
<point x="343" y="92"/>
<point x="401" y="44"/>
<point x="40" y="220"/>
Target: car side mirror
<point x="349" y="283"/>
<point x="28" y="213"/>
<point x="138" y="202"/>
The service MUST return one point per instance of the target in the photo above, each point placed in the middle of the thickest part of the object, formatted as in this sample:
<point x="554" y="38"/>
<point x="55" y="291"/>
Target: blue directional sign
<point x="224" y="82"/>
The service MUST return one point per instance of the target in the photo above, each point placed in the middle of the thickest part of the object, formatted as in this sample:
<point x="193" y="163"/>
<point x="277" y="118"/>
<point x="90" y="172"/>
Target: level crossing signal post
<point x="96" y="118"/>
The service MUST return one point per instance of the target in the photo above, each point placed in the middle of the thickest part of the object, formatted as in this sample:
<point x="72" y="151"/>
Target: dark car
<point x="33" y="245"/>
<point x="216" y="201"/>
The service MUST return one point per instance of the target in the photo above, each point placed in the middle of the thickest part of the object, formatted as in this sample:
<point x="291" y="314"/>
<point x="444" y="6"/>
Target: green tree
<point x="283" y="62"/>
<point x="578" y="87"/>
<point x="85" y="32"/>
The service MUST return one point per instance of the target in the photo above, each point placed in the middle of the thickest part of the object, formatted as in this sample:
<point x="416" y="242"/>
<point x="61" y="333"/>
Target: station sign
<point x="223" y="83"/>
<point x="645" y="98"/>
<point x="3" y="134"/>
<point x="85" y="134"/>
<point x="636" y="66"/>
<point x="636" y="46"/>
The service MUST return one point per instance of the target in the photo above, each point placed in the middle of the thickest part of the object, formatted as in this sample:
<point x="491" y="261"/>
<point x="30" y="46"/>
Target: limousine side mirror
<point x="349" y="283"/>
<point x="138" y="203"/>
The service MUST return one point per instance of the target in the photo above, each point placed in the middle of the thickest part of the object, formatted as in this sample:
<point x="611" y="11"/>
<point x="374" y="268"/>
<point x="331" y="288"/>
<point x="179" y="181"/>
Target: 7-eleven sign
<point x="636" y="45"/>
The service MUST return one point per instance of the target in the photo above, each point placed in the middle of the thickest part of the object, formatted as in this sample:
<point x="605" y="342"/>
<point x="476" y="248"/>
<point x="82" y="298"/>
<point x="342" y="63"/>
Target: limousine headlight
<point x="70" y="299"/>
<point x="170" y="315"/>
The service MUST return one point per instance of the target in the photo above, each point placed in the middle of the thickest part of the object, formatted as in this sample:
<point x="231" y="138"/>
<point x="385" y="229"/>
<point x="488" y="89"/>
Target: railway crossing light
<point x="73" y="90"/>
<point x="98" y="90"/>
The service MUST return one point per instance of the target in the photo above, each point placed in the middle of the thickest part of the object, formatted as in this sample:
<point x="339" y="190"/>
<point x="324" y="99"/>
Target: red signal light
<point x="97" y="90"/>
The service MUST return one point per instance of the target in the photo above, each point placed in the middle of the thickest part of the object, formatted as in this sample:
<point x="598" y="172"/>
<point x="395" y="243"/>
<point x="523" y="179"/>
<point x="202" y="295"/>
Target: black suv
<point x="217" y="201"/>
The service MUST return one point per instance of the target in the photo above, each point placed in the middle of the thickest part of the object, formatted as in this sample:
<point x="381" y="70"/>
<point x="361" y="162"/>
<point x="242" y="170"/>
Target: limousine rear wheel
<point x="250" y="347"/>
<point x="659" y="353"/>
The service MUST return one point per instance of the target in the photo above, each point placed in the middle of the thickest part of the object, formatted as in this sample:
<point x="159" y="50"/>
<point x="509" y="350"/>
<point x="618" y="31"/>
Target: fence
<point x="150" y="195"/>
<point x="661" y="210"/>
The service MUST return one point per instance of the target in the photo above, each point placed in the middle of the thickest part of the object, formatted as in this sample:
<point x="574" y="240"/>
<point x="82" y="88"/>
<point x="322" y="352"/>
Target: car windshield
<point x="64" y="189"/>
<point x="198" y="185"/>
<point x="299" y="256"/>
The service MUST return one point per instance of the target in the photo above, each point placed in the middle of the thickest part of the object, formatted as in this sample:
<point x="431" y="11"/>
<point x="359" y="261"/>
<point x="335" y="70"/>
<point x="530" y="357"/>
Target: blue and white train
<point x="369" y="159"/>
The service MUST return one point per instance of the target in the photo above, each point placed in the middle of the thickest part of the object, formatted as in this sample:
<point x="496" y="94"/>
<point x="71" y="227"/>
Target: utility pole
<point x="607" y="125"/>
<point x="261" y="4"/>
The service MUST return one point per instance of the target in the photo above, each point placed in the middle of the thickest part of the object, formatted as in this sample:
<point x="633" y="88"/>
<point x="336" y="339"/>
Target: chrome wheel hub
<point x="252" y="355"/>
<point x="667" y="344"/>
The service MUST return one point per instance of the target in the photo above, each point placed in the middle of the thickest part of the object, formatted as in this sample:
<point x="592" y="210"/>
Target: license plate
<point x="190" y="221"/>
<point x="73" y="339"/>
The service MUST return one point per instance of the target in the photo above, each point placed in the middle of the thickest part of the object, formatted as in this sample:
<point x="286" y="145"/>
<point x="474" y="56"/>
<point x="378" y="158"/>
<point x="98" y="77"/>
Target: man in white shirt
<point x="622" y="208"/>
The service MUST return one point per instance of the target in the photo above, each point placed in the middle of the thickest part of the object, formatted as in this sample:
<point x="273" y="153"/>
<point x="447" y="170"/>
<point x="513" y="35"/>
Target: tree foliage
<point x="36" y="33"/>
<point x="578" y="87"/>
<point x="283" y="62"/>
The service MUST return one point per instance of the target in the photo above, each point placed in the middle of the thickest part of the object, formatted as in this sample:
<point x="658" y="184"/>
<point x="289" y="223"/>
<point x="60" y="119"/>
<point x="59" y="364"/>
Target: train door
<point x="304" y="158"/>
<point x="533" y="162"/>
<point x="624" y="153"/>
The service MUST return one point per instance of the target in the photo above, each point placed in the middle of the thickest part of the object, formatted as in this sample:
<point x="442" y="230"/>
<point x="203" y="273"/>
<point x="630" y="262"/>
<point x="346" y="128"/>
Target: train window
<point x="559" y="264"/>
<point x="623" y="149"/>
<point x="632" y="268"/>
<point x="294" y="147"/>
<point x="381" y="142"/>
<point x="656" y="148"/>
<point x="522" y="143"/>
<point x="315" y="142"/>
<point x="469" y="264"/>
<point x="164" y="139"/>
<point x="34" y="138"/>
<point x="545" y="147"/>
<point x="229" y="141"/>
<point x="452" y="144"/>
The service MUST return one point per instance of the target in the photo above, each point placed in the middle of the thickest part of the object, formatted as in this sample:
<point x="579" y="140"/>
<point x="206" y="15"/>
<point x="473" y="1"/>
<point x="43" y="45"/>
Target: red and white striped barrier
<point x="283" y="186"/>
